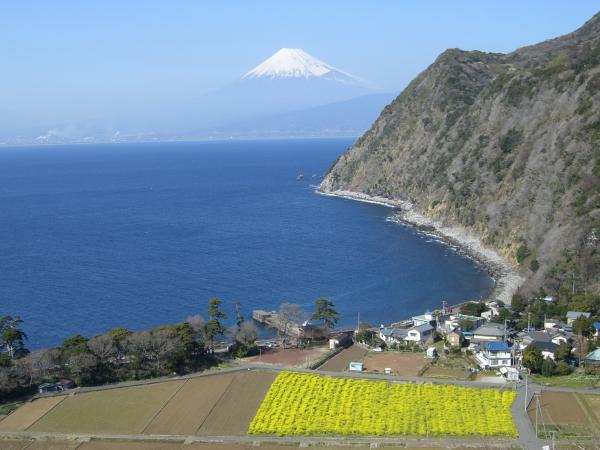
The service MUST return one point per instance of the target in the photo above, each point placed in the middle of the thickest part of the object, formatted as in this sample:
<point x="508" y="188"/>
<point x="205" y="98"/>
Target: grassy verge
<point x="574" y="380"/>
<point x="7" y="408"/>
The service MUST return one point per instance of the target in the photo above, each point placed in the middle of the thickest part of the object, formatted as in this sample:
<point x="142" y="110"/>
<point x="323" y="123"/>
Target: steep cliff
<point x="505" y="145"/>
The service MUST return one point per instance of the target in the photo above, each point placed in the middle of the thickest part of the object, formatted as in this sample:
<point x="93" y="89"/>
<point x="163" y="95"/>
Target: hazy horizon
<point x="90" y="68"/>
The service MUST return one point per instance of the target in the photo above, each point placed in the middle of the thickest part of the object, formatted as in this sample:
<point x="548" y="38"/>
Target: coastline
<point x="506" y="278"/>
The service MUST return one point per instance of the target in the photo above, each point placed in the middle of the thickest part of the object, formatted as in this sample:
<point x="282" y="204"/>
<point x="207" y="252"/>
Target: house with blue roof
<point x="493" y="354"/>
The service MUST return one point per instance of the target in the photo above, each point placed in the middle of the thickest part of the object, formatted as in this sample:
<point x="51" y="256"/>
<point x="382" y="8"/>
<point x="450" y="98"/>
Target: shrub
<point x="522" y="252"/>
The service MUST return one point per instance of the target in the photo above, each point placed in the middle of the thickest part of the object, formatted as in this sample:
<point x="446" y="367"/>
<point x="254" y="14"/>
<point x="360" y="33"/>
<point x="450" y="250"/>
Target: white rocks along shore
<point x="507" y="279"/>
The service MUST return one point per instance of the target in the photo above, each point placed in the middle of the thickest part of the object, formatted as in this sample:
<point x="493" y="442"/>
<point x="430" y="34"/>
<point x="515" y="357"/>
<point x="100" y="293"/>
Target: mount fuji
<point x="291" y="93"/>
<point x="290" y="80"/>
<point x="296" y="63"/>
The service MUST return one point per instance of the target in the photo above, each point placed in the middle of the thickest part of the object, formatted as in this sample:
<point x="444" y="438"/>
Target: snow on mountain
<point x="296" y="63"/>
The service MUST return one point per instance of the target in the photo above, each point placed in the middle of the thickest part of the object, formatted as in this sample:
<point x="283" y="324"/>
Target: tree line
<point x="122" y="354"/>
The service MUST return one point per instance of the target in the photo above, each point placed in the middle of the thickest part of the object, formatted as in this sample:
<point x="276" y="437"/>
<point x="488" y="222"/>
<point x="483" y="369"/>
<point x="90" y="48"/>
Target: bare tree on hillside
<point x="290" y="315"/>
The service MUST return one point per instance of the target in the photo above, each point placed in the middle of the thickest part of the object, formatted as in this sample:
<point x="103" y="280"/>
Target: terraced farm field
<point x="566" y="413"/>
<point x="307" y="404"/>
<point x="29" y="413"/>
<point x="119" y="411"/>
<point x="219" y="404"/>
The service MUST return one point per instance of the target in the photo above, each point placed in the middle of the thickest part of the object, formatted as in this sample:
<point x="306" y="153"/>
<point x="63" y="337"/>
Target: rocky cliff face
<point x="505" y="145"/>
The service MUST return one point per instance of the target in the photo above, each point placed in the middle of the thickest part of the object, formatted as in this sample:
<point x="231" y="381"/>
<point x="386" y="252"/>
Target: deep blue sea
<point x="138" y="235"/>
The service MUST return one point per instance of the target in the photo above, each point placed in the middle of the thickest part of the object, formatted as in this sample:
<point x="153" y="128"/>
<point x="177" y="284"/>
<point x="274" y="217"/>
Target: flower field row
<point x="307" y="404"/>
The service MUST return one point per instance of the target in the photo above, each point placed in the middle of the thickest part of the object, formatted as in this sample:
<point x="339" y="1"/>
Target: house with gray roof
<point x="489" y="332"/>
<point x="420" y="334"/>
<point x="572" y="316"/>
<point x="593" y="358"/>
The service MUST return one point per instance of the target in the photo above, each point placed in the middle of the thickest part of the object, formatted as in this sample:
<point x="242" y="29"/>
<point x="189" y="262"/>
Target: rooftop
<point x="496" y="346"/>
<point x="490" y="329"/>
<point x="594" y="356"/>
<point x="576" y="314"/>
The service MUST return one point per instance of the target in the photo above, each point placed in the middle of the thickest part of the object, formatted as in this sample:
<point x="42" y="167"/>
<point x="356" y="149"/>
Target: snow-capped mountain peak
<point x="296" y="63"/>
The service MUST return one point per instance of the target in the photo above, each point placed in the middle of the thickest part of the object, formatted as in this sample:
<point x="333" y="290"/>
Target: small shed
<point x="45" y="388"/>
<point x="355" y="366"/>
<point x="431" y="352"/>
<point x="510" y="373"/>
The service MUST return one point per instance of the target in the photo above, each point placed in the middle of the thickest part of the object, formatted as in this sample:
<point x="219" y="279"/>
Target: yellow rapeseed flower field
<point x="307" y="404"/>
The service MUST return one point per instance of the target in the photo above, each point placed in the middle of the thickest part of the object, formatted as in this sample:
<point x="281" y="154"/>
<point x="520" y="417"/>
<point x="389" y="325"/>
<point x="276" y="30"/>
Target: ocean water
<point x="138" y="235"/>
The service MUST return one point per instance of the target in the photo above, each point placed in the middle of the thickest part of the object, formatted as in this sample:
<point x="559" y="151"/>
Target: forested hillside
<point x="505" y="145"/>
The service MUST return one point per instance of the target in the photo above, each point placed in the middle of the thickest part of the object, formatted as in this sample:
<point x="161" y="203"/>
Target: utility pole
<point x="573" y="282"/>
<point x="525" y="392"/>
<point x="528" y="321"/>
<point x="536" y="417"/>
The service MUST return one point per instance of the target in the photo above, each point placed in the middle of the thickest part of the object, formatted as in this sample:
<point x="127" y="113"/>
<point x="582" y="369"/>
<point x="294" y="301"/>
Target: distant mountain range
<point x="290" y="94"/>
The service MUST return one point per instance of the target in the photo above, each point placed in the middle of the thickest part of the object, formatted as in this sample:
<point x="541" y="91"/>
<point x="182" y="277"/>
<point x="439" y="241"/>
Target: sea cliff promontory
<point x="503" y="146"/>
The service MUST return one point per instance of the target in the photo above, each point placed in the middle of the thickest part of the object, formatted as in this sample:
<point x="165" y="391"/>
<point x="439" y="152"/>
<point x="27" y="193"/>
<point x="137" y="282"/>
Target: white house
<point x="422" y="319"/>
<point x="494" y="354"/>
<point x="420" y="334"/>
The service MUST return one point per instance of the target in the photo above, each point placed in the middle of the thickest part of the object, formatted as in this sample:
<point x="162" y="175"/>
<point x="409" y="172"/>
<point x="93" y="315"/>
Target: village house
<point x="420" y="334"/>
<point x="563" y="336"/>
<point x="494" y="354"/>
<point x="543" y="340"/>
<point x="489" y="332"/>
<point x="455" y="321"/>
<point x="572" y="316"/>
<point x="592" y="359"/>
<point x="455" y="338"/>
<point x="553" y="324"/>
<point x="423" y="318"/>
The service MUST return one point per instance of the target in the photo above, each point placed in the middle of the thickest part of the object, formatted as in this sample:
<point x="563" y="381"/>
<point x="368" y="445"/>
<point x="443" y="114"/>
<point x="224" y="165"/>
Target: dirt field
<point x="570" y="414"/>
<point x="339" y="363"/>
<point x="26" y="415"/>
<point x="290" y="357"/>
<point x="190" y="406"/>
<point x="120" y="411"/>
<point x="405" y="364"/>
<point x="237" y="407"/>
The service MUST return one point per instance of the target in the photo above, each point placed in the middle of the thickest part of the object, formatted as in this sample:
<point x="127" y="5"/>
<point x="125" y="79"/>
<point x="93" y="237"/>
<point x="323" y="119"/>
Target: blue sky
<point x="64" y="59"/>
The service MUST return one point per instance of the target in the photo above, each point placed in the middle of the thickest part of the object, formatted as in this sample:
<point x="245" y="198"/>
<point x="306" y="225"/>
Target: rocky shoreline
<point x="506" y="278"/>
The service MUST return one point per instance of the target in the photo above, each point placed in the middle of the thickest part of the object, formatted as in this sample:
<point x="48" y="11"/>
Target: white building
<point x="422" y="319"/>
<point x="421" y="334"/>
<point x="494" y="354"/>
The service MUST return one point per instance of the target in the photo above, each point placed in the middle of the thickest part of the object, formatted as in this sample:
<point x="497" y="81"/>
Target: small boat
<point x="300" y="177"/>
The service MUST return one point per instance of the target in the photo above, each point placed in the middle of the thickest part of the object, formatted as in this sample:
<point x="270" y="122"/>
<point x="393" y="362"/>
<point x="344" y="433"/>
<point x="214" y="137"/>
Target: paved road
<point x="258" y="440"/>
